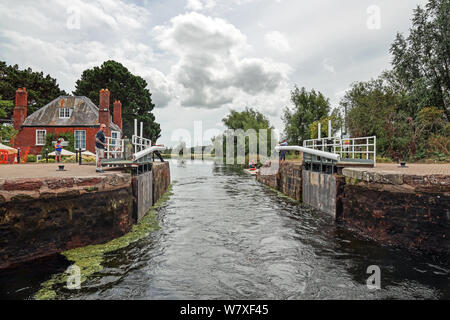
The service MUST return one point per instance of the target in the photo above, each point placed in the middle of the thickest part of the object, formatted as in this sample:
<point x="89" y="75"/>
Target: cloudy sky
<point x="202" y="58"/>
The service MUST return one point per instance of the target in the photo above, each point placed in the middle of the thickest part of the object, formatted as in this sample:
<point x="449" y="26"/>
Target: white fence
<point x="142" y="147"/>
<point x="114" y="148"/>
<point x="347" y="148"/>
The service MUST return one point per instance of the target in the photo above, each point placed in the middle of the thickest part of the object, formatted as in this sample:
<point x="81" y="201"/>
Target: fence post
<point x="76" y="156"/>
<point x="18" y="155"/>
<point x="80" y="157"/>
<point x="46" y="155"/>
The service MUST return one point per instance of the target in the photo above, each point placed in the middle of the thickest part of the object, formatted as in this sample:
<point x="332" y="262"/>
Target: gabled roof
<point x="85" y="113"/>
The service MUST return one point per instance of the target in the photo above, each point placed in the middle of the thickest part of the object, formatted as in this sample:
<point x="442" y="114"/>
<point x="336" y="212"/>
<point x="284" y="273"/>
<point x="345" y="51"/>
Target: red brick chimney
<point x="117" y="116"/>
<point x="20" y="109"/>
<point x="103" y="113"/>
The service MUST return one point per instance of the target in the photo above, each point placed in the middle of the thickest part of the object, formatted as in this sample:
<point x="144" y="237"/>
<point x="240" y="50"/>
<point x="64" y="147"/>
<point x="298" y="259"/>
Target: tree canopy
<point x="6" y="130"/>
<point x="421" y="61"/>
<point x="130" y="89"/>
<point x="407" y="108"/>
<point x="247" y="119"/>
<point x="309" y="106"/>
<point x="41" y="89"/>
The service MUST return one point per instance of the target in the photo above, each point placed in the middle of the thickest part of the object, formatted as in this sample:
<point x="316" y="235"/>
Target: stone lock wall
<point x="405" y="210"/>
<point x="41" y="217"/>
<point x="411" y="211"/>
<point x="142" y="194"/>
<point x="161" y="179"/>
<point x="287" y="178"/>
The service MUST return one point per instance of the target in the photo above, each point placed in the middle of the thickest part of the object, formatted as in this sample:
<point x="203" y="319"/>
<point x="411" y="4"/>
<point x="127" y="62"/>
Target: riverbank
<point x="44" y="211"/>
<point x="408" y="207"/>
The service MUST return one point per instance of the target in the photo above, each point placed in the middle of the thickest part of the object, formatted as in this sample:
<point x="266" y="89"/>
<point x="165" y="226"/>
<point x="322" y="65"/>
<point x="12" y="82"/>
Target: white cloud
<point x="277" y="41"/>
<point x="211" y="69"/>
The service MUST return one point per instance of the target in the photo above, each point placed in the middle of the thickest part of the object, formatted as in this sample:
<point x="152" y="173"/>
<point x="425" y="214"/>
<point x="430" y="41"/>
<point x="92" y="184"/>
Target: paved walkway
<point x="414" y="168"/>
<point x="40" y="170"/>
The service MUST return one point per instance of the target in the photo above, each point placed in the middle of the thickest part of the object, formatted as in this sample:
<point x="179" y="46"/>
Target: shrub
<point x="49" y="161"/>
<point x="31" y="158"/>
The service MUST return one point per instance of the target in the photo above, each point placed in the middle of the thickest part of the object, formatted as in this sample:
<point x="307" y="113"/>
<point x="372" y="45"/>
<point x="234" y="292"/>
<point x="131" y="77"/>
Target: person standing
<point x="283" y="152"/>
<point x="58" y="150"/>
<point x="100" y="144"/>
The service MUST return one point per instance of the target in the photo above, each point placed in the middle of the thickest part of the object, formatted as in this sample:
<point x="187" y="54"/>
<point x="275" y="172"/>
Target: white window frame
<point x="66" y="113"/>
<point x="37" y="136"/>
<point x="75" y="139"/>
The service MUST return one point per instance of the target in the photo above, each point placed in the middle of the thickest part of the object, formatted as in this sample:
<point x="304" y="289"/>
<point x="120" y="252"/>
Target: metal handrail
<point x="147" y="151"/>
<point x="140" y="143"/>
<point x="319" y="153"/>
<point x="114" y="148"/>
<point x="346" y="146"/>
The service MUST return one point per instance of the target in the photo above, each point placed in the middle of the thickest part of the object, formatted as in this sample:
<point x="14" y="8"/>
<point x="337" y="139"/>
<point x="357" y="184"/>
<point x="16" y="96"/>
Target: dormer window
<point x="65" y="113"/>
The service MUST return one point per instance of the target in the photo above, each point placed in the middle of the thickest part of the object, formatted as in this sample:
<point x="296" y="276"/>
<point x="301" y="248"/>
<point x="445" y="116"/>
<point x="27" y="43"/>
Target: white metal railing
<point x="349" y="148"/>
<point x="315" y="152"/>
<point x="140" y="143"/>
<point x="114" y="148"/>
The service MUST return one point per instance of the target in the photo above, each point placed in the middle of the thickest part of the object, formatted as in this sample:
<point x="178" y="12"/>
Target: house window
<point x="65" y="113"/>
<point x="40" y="137"/>
<point x="115" y="138"/>
<point x="80" y="139"/>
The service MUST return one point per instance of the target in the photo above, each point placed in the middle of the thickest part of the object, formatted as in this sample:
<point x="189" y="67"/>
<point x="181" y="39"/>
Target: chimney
<point x="117" y="117"/>
<point x="103" y="113"/>
<point x="20" y="108"/>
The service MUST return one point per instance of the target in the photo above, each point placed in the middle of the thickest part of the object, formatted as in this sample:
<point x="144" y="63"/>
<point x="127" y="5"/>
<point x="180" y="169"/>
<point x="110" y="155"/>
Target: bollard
<point x="80" y="157"/>
<point x="46" y="155"/>
<point x="76" y="156"/>
<point x="18" y="155"/>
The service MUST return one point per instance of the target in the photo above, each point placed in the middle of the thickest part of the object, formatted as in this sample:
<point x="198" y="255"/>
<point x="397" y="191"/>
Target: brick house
<point x="78" y="115"/>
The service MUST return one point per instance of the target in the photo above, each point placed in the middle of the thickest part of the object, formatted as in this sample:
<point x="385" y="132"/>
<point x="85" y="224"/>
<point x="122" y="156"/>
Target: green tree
<point x="249" y="119"/>
<point x="41" y="89"/>
<point x="130" y="89"/>
<point x="374" y="108"/>
<point x="308" y="107"/>
<point x="7" y="131"/>
<point x="421" y="61"/>
<point x="336" y="124"/>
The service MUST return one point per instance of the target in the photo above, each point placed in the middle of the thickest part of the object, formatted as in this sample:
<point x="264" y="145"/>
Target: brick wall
<point x="26" y="138"/>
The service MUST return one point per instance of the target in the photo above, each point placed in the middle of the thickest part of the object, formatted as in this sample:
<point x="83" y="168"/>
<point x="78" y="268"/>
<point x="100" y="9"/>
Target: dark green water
<point x="225" y="236"/>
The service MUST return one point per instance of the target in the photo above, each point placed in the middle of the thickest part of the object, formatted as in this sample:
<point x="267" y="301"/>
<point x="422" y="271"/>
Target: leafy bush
<point x="31" y="158"/>
<point x="72" y="159"/>
<point x="49" y="161"/>
<point x="384" y="160"/>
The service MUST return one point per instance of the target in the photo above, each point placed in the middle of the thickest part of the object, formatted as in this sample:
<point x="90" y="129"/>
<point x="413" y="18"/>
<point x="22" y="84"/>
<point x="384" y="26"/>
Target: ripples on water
<point x="225" y="236"/>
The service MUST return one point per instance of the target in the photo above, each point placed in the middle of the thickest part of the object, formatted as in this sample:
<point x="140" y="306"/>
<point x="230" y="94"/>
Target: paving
<point x="50" y="170"/>
<point x="44" y="170"/>
<point x="420" y="169"/>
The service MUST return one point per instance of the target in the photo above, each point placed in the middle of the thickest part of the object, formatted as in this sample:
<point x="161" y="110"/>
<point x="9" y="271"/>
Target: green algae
<point x="89" y="259"/>
<point x="282" y="195"/>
